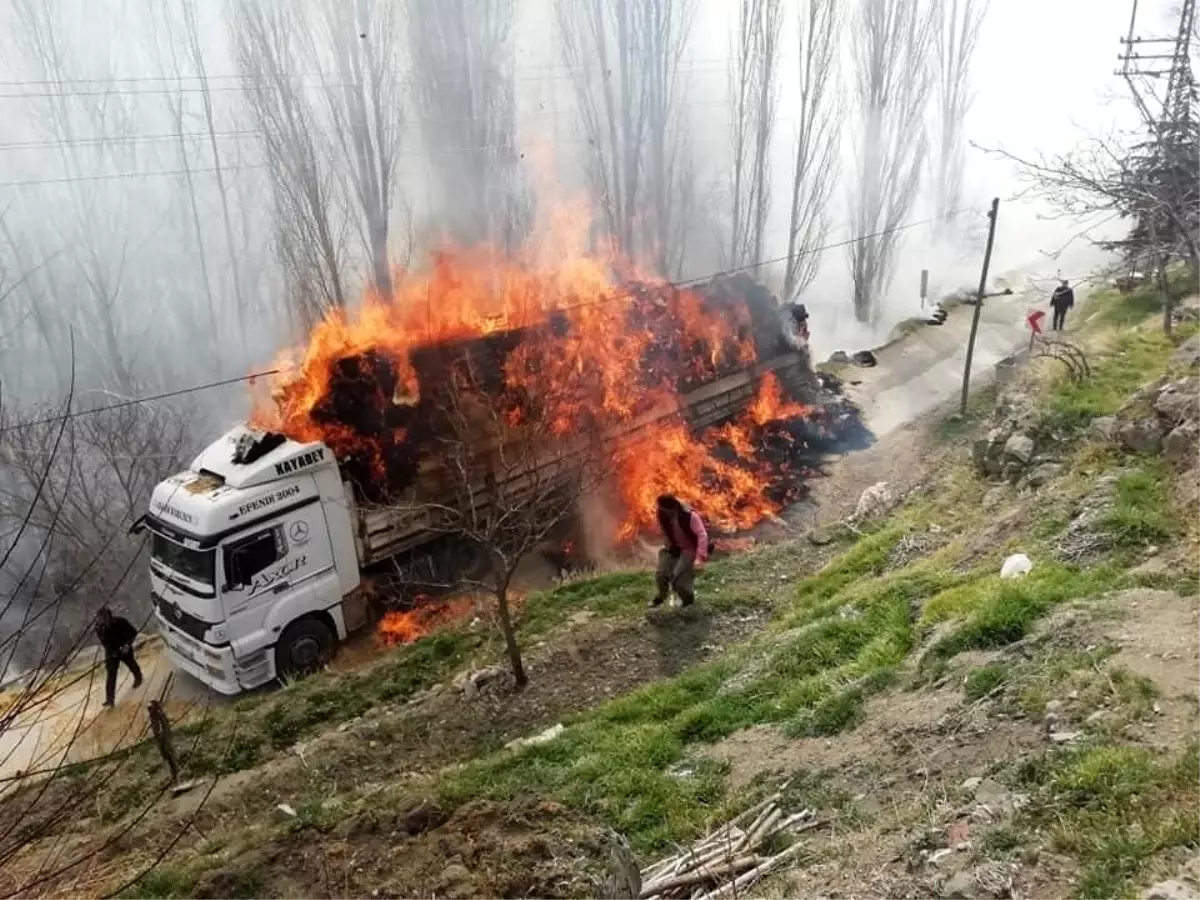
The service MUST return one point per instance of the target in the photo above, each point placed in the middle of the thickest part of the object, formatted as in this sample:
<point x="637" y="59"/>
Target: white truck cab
<point x="253" y="565"/>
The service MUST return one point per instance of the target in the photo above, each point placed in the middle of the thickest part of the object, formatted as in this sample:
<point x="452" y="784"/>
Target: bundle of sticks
<point x="727" y="861"/>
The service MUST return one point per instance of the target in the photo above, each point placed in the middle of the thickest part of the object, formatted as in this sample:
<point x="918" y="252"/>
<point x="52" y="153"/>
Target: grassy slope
<point x="862" y="625"/>
<point x="846" y="633"/>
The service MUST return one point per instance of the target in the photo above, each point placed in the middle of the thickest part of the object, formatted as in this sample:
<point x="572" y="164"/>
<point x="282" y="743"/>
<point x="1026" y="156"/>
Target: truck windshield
<point x="195" y="565"/>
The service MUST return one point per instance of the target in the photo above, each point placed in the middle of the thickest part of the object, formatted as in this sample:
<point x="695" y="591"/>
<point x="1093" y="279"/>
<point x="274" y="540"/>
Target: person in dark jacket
<point x="1061" y="300"/>
<point x="687" y="545"/>
<point x="116" y="635"/>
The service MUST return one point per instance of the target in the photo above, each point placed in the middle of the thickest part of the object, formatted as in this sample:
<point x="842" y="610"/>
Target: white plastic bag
<point x="1016" y="566"/>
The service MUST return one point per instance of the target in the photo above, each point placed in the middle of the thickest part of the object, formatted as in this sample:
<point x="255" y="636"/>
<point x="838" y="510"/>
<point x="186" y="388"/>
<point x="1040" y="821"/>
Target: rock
<point x="989" y="879"/>
<point x="994" y="497"/>
<point x="1191" y="869"/>
<point x="1065" y="737"/>
<point x="1140" y="436"/>
<point x="1180" y="446"/>
<point x="1098" y="716"/>
<point x="1044" y="473"/>
<point x="971" y="784"/>
<point x="285" y="812"/>
<point x="938" y="855"/>
<point x="455" y="882"/>
<point x="1103" y="429"/>
<point x="1019" y="447"/>
<point x="1050" y="722"/>
<point x="543" y="737"/>
<point x="1187" y="354"/>
<point x="1176" y="403"/>
<point x="991" y="793"/>
<point x="874" y="501"/>
<point x="979" y="452"/>
<point x="1141" y="398"/>
<point x="491" y="679"/>
<point x="1173" y="889"/>
<point x="422" y="818"/>
<point x="820" y="537"/>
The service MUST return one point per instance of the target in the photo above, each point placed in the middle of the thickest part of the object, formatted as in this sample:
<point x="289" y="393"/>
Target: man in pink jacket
<point x="687" y="546"/>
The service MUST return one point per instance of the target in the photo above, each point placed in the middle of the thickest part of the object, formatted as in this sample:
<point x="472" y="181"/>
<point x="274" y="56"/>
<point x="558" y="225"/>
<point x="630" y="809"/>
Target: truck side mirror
<point x="139" y="525"/>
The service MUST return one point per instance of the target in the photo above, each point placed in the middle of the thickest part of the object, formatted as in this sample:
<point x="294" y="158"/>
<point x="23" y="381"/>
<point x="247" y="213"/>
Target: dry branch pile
<point x="729" y="860"/>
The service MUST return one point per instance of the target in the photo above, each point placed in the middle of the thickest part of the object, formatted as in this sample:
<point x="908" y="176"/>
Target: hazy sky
<point x="1043" y="77"/>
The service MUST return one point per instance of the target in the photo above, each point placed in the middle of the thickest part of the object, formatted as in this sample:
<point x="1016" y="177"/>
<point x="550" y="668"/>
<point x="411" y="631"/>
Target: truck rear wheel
<point x="304" y="647"/>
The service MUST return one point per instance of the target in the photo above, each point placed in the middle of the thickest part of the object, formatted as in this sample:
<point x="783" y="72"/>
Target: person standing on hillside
<point x="1061" y="300"/>
<point x="687" y="547"/>
<point x="116" y="635"/>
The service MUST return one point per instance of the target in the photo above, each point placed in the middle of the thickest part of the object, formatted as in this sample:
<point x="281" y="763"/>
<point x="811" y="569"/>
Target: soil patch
<point x="483" y="849"/>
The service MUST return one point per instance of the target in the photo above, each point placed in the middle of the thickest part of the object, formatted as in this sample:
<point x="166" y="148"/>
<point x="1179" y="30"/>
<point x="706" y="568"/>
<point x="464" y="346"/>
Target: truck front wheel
<point x="304" y="647"/>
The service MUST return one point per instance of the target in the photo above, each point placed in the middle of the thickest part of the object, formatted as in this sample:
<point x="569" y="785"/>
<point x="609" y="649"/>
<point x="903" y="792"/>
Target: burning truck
<point x="259" y="548"/>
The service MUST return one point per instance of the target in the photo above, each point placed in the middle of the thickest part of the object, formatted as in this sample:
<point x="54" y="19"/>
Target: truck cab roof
<point x="242" y="476"/>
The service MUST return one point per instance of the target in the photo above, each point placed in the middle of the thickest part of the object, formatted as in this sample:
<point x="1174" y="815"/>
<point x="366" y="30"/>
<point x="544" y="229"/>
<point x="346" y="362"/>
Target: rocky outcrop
<point x="1160" y="417"/>
<point x="1018" y="448"/>
<point x="1187" y="354"/>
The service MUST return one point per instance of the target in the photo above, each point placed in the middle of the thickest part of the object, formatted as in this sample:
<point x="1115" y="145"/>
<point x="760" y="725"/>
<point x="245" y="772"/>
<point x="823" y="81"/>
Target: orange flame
<point x="427" y="616"/>
<point x="590" y="361"/>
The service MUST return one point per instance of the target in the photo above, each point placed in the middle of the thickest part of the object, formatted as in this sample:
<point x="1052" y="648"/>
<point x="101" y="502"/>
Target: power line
<point x="255" y="83"/>
<point x="247" y="134"/>
<point x="134" y="401"/>
<point x="128" y="139"/>
<point x="684" y="66"/>
<point x="119" y="175"/>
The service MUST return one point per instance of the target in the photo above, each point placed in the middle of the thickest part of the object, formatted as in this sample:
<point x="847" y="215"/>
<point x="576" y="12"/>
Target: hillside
<point x="954" y="733"/>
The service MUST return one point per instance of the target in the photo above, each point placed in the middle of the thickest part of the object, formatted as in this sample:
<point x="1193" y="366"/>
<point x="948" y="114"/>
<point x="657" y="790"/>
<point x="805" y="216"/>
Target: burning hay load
<point x="684" y="384"/>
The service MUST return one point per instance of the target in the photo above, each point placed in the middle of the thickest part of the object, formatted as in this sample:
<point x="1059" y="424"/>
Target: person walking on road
<point x="1061" y="300"/>
<point x="116" y="635"/>
<point x="687" y="547"/>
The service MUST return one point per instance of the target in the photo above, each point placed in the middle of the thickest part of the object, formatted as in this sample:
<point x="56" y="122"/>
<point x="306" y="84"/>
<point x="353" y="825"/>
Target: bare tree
<point x="892" y="81"/>
<point x="463" y="59"/>
<point x="815" y="165"/>
<point x="754" y="93"/>
<point x="624" y="57"/>
<point x="78" y="490"/>
<point x="1151" y="184"/>
<point x="50" y="675"/>
<point x="91" y="225"/>
<point x="196" y="56"/>
<point x="956" y="30"/>
<point x="169" y="63"/>
<point x="332" y="163"/>
<point x="515" y="472"/>
<point x="365" y="112"/>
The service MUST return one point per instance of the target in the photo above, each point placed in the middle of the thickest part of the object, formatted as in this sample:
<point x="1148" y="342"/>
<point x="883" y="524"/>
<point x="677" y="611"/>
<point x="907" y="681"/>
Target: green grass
<point x="1141" y="514"/>
<point x="837" y="642"/>
<point x="160" y="883"/>
<point x="1115" y="808"/>
<point x="982" y="681"/>
<point x="1125" y="310"/>
<point x="1139" y="356"/>
<point x="994" y="612"/>
<point x="980" y="404"/>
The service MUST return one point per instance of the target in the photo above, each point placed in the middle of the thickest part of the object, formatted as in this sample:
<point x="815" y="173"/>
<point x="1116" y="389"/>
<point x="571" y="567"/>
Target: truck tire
<point x="304" y="647"/>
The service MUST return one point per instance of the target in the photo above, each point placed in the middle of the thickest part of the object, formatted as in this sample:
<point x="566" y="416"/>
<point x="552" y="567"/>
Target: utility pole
<point x="987" y="261"/>
<point x="1171" y="119"/>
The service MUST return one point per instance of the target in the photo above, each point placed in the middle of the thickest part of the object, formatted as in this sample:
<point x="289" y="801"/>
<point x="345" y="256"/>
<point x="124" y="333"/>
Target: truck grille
<point x="184" y="621"/>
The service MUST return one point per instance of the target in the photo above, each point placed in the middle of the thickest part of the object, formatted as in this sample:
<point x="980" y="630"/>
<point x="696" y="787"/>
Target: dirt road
<point x="66" y="722"/>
